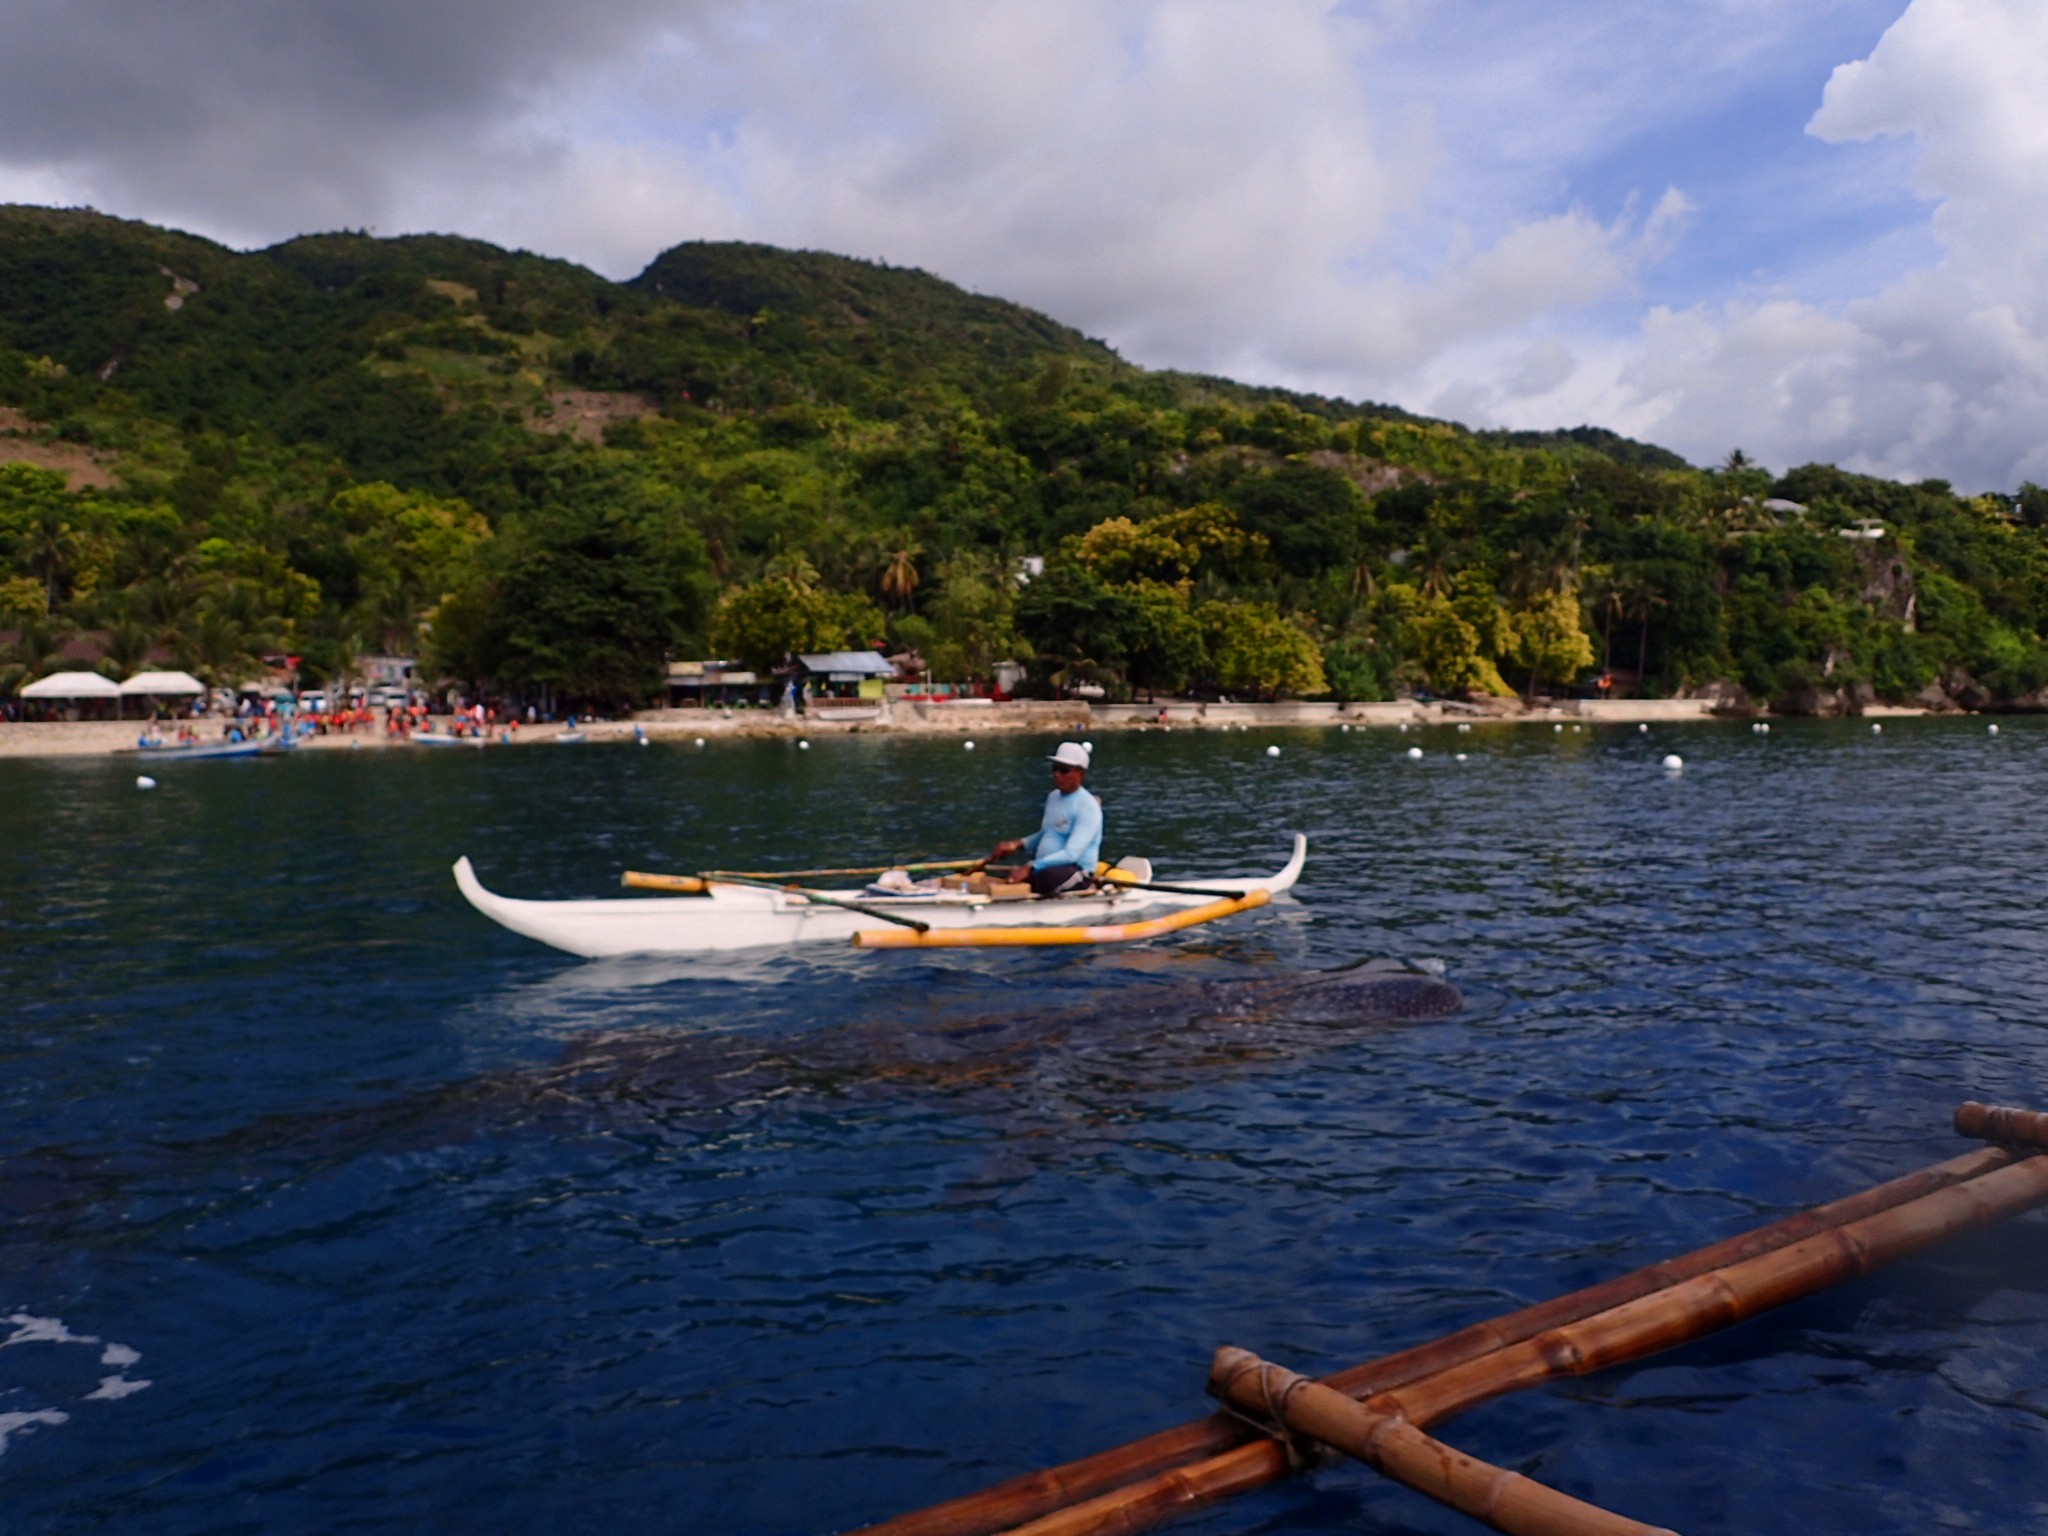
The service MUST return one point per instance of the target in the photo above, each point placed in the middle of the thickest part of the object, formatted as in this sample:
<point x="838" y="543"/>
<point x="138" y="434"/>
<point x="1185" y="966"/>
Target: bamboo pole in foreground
<point x="1136" y="1485"/>
<point x="1724" y="1297"/>
<point x="2020" y="1127"/>
<point x="1505" y="1500"/>
<point x="1100" y="933"/>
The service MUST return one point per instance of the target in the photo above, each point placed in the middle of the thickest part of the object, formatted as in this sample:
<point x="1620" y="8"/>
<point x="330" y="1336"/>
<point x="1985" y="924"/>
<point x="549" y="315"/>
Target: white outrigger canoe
<point x="728" y="917"/>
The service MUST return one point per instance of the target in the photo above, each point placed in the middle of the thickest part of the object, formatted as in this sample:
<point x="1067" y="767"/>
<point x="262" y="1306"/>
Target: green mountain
<point x="549" y="481"/>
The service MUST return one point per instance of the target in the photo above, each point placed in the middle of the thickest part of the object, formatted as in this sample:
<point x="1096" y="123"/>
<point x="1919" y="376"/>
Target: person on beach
<point x="1069" y="840"/>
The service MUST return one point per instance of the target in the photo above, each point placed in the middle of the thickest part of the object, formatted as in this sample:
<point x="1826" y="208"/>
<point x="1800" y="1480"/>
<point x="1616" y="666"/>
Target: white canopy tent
<point x="72" y="685"/>
<point x="162" y="683"/>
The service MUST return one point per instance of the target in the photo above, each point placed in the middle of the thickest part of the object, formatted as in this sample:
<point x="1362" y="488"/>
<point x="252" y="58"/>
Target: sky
<point x="1816" y="231"/>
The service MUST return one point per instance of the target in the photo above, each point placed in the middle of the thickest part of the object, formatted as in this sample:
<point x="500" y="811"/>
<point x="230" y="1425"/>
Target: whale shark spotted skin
<point x="1150" y="1037"/>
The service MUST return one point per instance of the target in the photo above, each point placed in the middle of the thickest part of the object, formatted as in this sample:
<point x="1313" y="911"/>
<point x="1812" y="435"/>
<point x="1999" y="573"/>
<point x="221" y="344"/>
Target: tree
<point x="1163" y="641"/>
<point x="23" y="601"/>
<point x="1078" y="625"/>
<point x="1355" y="667"/>
<point x="1252" y="649"/>
<point x="1446" y="647"/>
<point x="1166" y="548"/>
<point x="1550" y="643"/>
<point x="784" y="615"/>
<point x="37" y="527"/>
<point x="408" y="551"/>
<point x="973" y="617"/>
<point x="576" y="605"/>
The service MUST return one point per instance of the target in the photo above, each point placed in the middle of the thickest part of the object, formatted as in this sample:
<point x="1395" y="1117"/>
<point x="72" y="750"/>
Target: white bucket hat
<point x="1070" y="754"/>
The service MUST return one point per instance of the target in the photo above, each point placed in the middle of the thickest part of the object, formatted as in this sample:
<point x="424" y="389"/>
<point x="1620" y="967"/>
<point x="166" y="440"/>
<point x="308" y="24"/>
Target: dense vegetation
<point x="546" y="482"/>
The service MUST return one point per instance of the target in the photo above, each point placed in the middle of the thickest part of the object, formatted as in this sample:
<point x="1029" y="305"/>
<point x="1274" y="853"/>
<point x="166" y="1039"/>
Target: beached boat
<point x="726" y="917"/>
<point x="194" y="751"/>
<point x="446" y="739"/>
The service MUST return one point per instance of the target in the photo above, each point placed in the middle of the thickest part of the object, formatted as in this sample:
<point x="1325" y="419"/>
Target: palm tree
<point x="37" y="646"/>
<point x="794" y="569"/>
<point x="1640" y="598"/>
<point x="48" y="548"/>
<point x="127" y="647"/>
<point x="217" y="649"/>
<point x="899" y="581"/>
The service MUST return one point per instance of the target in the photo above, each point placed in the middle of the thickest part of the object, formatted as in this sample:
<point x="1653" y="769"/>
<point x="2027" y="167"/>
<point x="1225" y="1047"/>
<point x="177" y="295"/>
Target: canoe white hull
<point x="741" y="917"/>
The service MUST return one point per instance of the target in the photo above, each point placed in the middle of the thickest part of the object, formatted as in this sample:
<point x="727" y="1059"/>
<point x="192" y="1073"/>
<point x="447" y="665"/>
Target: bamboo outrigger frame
<point x="1378" y="1411"/>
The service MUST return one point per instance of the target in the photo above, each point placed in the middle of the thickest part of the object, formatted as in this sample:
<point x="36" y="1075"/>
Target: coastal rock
<point x="1725" y="696"/>
<point x="1811" y="701"/>
<point x="2032" y="703"/>
<point x="1963" y="689"/>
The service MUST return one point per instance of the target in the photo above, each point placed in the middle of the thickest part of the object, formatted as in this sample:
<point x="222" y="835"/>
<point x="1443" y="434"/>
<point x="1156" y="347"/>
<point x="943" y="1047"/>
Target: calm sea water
<point x="409" y="1224"/>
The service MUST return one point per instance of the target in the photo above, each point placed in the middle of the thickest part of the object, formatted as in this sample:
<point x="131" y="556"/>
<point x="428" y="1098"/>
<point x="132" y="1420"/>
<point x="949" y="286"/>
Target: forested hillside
<point x="546" y="482"/>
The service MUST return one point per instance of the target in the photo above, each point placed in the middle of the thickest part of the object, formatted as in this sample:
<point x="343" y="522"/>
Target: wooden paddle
<point x="818" y="898"/>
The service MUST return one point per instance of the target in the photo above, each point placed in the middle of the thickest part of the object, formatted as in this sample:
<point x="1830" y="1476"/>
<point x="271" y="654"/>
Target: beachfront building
<point x="694" y="683"/>
<point x="847" y="674"/>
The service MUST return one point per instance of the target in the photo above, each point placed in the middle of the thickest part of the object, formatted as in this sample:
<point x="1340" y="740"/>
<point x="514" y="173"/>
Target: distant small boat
<point x="572" y="739"/>
<point x="193" y="751"/>
<point x="439" y="739"/>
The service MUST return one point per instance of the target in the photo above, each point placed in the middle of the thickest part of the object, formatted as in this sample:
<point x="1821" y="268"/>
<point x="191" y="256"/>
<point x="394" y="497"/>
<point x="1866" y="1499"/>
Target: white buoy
<point x="643" y="741"/>
<point x="1464" y="728"/>
<point x="803" y="746"/>
<point x="968" y="745"/>
<point x="1404" y="727"/>
<point x="1674" y="763"/>
<point x="1558" y="728"/>
<point x="1414" y="752"/>
<point x="1575" y="730"/>
<point x="1347" y="729"/>
<point x="144" y="781"/>
<point x="1461" y="757"/>
<point x="1088" y="747"/>
<point x="1642" y="727"/>
<point x="1272" y="751"/>
<point x="1876" y="730"/>
<point x="700" y="741"/>
<point x="1763" y="727"/>
<point x="1990" y="730"/>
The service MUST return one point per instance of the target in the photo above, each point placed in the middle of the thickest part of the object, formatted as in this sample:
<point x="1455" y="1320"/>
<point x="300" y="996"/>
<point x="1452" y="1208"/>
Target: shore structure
<point x="957" y="717"/>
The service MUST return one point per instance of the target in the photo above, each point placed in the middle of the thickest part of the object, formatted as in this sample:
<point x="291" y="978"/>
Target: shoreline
<point x="111" y="738"/>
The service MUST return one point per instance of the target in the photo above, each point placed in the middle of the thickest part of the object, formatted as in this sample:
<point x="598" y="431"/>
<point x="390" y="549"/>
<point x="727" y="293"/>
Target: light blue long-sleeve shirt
<point x="1070" y="834"/>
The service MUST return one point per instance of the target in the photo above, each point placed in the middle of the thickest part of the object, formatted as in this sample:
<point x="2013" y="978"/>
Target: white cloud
<point x="1945" y="371"/>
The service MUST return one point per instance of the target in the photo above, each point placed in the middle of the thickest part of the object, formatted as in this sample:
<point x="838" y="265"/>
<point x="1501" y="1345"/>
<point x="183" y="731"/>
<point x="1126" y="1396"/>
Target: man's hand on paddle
<point x="1003" y="850"/>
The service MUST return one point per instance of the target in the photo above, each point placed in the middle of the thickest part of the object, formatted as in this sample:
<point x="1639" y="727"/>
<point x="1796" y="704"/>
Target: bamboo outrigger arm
<point x="1176" y="1471"/>
<point x="1505" y="1500"/>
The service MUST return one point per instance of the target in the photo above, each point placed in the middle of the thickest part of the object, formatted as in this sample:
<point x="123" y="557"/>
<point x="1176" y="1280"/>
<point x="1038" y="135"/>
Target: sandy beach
<point x="97" y="738"/>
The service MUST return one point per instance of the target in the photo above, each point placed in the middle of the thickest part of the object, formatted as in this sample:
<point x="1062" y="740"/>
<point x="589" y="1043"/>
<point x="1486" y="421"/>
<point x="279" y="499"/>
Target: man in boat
<point x="1069" y="840"/>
